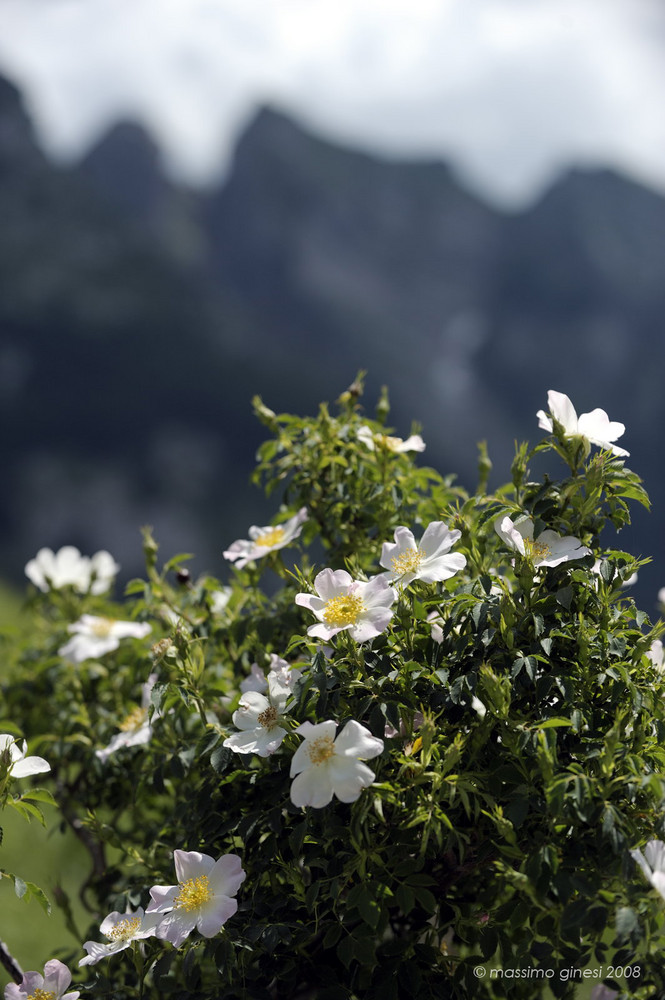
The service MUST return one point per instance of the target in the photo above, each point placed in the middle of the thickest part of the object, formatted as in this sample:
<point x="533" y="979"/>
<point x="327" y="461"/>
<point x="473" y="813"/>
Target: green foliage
<point x="521" y="715"/>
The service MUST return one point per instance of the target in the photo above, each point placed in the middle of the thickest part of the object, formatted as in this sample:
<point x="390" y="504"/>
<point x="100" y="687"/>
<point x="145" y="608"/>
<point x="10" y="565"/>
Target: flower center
<point x="268" y="718"/>
<point x="536" y="550"/>
<point x="41" y="995"/>
<point x="134" y="720"/>
<point x="407" y="562"/>
<point x="270" y="537"/>
<point x="193" y="893"/>
<point x="343" y="610"/>
<point x="124" y="930"/>
<point x="102" y="627"/>
<point x="321" y="749"/>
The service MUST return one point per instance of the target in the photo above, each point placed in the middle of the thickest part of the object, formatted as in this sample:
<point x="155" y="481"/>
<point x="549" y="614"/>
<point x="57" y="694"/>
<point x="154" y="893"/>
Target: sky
<point x="510" y="92"/>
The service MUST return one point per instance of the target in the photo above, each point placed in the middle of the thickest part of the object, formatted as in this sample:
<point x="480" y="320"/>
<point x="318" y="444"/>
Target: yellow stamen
<point x="41" y="995"/>
<point x="268" y="718"/>
<point x="124" y="929"/>
<point x="102" y="627"/>
<point x="193" y="893"/>
<point x="407" y="562"/>
<point x="270" y="537"/>
<point x="343" y="610"/>
<point x="134" y="720"/>
<point x="321" y="750"/>
<point x="536" y="550"/>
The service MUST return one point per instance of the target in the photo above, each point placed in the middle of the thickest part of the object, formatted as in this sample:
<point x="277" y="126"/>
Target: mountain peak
<point x="125" y="168"/>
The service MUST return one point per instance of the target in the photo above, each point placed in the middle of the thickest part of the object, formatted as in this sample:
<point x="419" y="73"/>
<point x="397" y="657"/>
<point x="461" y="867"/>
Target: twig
<point x="10" y="964"/>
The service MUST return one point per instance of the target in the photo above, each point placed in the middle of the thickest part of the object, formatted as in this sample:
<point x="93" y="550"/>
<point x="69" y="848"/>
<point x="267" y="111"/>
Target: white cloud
<point x="510" y="90"/>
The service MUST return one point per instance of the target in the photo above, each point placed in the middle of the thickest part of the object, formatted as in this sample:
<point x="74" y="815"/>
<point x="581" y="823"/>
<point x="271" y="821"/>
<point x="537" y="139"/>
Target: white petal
<point x="438" y="538"/>
<point x="357" y="741"/>
<point x="655" y="855"/>
<point x="312" y="788"/>
<point x="57" y="977"/>
<point x="331" y="583"/>
<point x="563" y="410"/>
<point x="191" y="864"/>
<point x="176" y="926"/>
<point x="251" y="706"/>
<point x="212" y="919"/>
<point x="413" y="443"/>
<point x="29" y="765"/>
<point x="440" y="568"/>
<point x="349" y="777"/>
<point x="227" y="875"/>
<point x="544" y="421"/>
<point x="162" y="898"/>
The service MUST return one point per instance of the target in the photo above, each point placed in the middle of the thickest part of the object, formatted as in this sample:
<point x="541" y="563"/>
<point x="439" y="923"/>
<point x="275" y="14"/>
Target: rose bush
<point x="495" y="675"/>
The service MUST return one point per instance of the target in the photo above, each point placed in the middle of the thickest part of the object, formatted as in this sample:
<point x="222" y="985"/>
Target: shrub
<point x="449" y="736"/>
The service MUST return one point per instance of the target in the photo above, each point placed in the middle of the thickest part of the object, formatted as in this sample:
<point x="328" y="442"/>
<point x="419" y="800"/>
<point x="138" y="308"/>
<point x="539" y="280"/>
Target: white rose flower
<point x="135" y="730"/>
<point x="202" y="898"/>
<point x="549" y="549"/>
<point x="389" y="443"/>
<point x="595" y="426"/>
<point x="122" y="929"/>
<point x="324" y="766"/>
<point x="257" y="680"/>
<point x="652" y="863"/>
<point x="259" y="720"/>
<point x="51" y="986"/>
<point x="429" y="561"/>
<point x="93" y="636"/>
<point x="264" y="540"/>
<point x="344" y="604"/>
<point x="68" y="568"/>
<point x="13" y="757"/>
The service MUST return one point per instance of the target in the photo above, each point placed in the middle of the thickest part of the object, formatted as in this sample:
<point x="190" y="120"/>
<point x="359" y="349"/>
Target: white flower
<point x="259" y="719"/>
<point x="652" y="864"/>
<point x="135" y="729"/>
<point x="661" y="595"/>
<point x="549" y="549"/>
<point x="202" y="898"/>
<point x="93" y="636"/>
<point x="389" y="443"/>
<point x="13" y="758"/>
<point x="347" y="604"/>
<point x="103" y="570"/>
<point x="655" y="654"/>
<point x="429" y="561"/>
<point x="51" y="986"/>
<point x="68" y="568"/>
<point x="122" y="929"/>
<point x="283" y="671"/>
<point x="595" y="426"/>
<point x="257" y="680"/>
<point x="323" y="766"/>
<point x="264" y="540"/>
<point x="219" y="599"/>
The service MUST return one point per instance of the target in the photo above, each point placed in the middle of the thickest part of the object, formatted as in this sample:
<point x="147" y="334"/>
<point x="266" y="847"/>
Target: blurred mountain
<point x="138" y="318"/>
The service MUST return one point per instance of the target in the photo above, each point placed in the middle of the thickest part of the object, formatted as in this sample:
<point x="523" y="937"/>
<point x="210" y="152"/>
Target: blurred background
<point x="205" y="199"/>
